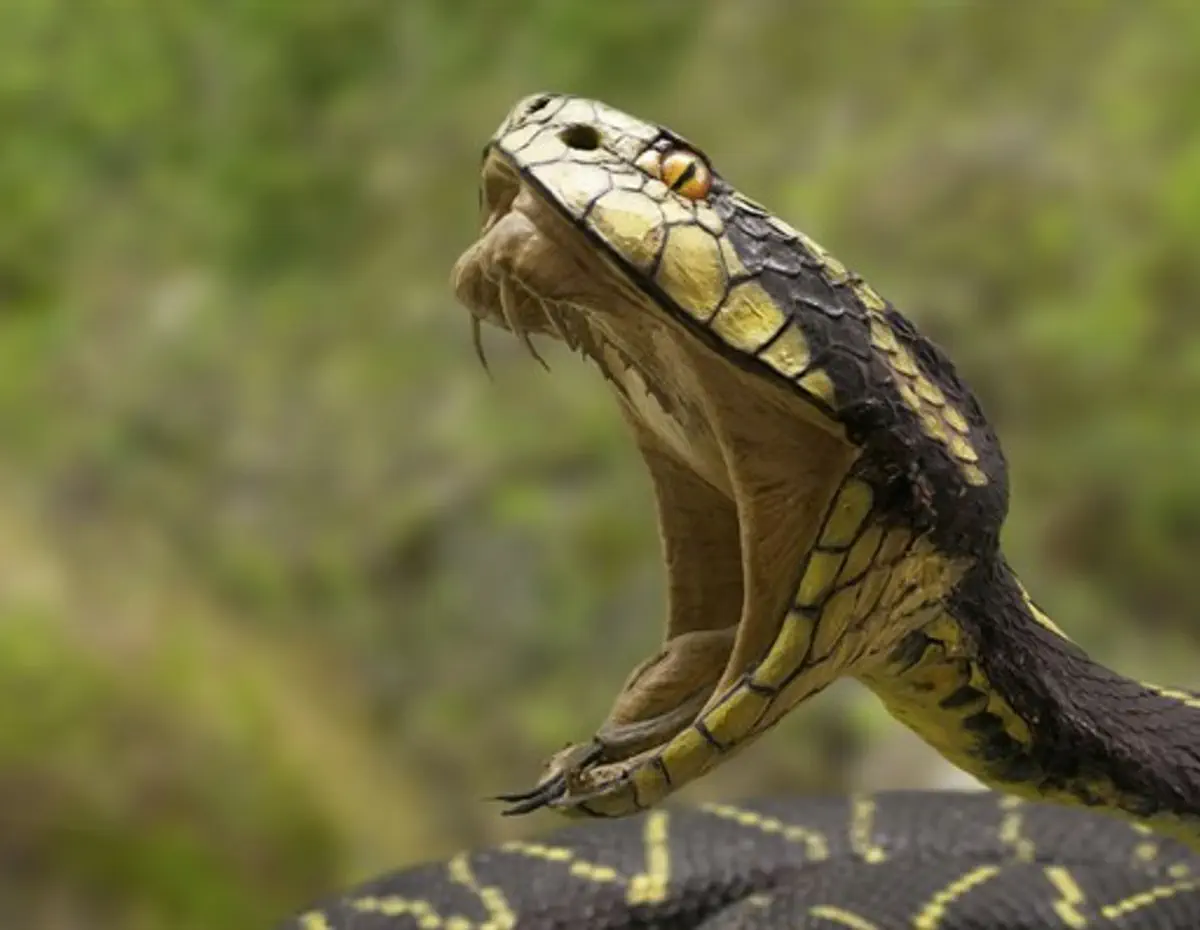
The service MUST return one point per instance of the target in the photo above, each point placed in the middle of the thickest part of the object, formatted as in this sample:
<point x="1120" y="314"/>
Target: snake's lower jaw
<point x="574" y="780"/>
<point x="662" y="698"/>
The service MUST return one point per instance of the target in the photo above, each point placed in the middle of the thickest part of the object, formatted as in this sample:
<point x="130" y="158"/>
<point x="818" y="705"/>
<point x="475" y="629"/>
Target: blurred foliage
<point x="289" y="586"/>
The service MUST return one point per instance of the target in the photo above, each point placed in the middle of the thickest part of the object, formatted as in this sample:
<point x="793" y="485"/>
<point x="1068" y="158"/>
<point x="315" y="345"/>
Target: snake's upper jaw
<point x="491" y="277"/>
<point x="532" y="271"/>
<point x="516" y="275"/>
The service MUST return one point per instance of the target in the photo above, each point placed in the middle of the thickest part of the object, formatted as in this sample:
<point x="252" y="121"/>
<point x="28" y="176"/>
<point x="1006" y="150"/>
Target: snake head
<point x="591" y="215"/>
<point x="799" y="407"/>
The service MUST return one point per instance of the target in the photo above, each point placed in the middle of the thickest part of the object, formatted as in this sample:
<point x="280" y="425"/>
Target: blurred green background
<point x="289" y="587"/>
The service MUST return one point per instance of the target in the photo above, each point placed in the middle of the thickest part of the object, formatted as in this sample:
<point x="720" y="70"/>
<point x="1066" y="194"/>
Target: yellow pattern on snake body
<point x="830" y="499"/>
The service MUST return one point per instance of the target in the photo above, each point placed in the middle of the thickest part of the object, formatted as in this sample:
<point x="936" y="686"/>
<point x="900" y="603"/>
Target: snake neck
<point x="998" y="690"/>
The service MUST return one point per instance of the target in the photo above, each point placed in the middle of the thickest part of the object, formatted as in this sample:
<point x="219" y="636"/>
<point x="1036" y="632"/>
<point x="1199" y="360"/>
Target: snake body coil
<point x="919" y="861"/>
<point x="830" y="497"/>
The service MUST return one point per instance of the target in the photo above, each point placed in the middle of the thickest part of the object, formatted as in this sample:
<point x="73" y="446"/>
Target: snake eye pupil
<point x="580" y="136"/>
<point x="687" y="174"/>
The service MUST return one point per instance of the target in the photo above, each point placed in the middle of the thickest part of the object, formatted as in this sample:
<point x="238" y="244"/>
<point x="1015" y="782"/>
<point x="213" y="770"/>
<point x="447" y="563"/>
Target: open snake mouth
<point x="820" y="472"/>
<point x="534" y="272"/>
<point x="616" y="238"/>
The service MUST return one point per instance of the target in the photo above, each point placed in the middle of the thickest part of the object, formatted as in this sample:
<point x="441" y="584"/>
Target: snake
<point x="830" y="497"/>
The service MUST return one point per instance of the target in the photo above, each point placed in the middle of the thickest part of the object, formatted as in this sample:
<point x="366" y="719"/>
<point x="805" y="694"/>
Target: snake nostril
<point x="580" y="136"/>
<point x="537" y="103"/>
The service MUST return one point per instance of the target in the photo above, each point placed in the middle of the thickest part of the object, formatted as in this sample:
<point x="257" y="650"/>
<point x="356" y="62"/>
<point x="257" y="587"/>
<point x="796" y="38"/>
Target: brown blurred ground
<point x="288" y="587"/>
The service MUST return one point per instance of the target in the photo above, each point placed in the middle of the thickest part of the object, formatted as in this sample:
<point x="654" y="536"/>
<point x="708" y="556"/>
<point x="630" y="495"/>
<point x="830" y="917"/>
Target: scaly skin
<point x="919" y="861"/>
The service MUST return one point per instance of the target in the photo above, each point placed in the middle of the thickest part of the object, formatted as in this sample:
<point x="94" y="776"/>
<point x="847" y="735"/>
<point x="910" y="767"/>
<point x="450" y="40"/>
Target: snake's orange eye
<point x="686" y="173"/>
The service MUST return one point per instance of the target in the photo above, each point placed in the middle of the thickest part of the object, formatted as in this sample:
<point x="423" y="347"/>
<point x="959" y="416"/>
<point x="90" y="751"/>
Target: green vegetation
<point x="289" y="586"/>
